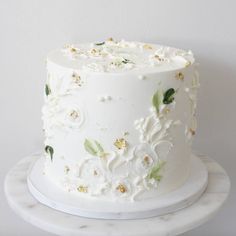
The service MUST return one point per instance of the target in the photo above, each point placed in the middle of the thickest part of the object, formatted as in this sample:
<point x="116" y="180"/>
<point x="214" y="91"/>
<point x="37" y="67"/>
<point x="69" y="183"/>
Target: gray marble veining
<point x="59" y="223"/>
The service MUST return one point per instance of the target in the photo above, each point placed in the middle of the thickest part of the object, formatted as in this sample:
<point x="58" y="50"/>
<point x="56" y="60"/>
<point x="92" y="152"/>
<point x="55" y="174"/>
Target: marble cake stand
<point x="59" y="223"/>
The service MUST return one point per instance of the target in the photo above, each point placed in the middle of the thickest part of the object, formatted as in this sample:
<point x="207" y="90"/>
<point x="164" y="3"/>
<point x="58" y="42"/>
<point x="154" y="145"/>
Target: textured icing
<point x="121" y="56"/>
<point x="108" y="138"/>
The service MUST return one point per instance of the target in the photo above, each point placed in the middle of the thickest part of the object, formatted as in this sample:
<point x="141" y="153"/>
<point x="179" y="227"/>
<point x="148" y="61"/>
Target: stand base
<point x="59" y="223"/>
<point x="50" y="195"/>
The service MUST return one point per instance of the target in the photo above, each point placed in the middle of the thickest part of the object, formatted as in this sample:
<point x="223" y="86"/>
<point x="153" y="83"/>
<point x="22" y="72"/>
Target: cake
<point x="119" y="118"/>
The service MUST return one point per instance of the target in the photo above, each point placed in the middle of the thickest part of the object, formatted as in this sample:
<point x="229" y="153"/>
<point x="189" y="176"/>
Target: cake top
<point x="113" y="56"/>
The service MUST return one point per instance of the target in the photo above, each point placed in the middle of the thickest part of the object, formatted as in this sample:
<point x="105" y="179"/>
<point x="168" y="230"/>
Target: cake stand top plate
<point x="59" y="223"/>
<point x="46" y="192"/>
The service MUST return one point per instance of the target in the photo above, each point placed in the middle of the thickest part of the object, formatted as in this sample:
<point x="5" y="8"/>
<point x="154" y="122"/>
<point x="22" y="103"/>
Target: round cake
<point x="119" y="118"/>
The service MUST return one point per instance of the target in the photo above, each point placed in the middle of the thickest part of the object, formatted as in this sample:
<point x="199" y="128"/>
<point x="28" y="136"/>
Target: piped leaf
<point x="100" y="44"/>
<point x="99" y="146"/>
<point x="47" y="90"/>
<point x="155" y="171"/>
<point x="94" y="148"/>
<point x="126" y="61"/>
<point x="157" y="100"/>
<point x="49" y="150"/>
<point x="169" y="96"/>
<point x="88" y="145"/>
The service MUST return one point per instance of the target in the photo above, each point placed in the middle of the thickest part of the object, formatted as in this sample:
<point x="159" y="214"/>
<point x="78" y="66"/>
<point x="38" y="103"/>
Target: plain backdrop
<point x="29" y="29"/>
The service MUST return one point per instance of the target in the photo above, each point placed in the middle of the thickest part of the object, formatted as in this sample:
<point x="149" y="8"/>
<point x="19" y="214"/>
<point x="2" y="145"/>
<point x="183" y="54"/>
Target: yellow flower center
<point x="82" y="189"/>
<point x="146" y="159"/>
<point x="121" y="188"/>
<point x="74" y="115"/>
<point x="120" y="143"/>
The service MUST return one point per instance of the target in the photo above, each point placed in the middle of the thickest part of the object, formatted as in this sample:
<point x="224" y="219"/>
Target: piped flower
<point x="122" y="188"/>
<point x="144" y="157"/>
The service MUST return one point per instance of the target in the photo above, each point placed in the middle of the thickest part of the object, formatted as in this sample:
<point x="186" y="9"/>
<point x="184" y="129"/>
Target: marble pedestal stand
<point x="59" y="223"/>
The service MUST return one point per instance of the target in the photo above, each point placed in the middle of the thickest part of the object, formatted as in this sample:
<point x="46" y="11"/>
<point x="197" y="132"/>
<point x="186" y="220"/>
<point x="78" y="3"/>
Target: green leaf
<point x="169" y="96"/>
<point x="100" y="150"/>
<point x="99" y="146"/>
<point x="155" y="171"/>
<point x="100" y="44"/>
<point x="47" y="90"/>
<point x="157" y="99"/>
<point x="89" y="147"/>
<point x="126" y="61"/>
<point x="49" y="150"/>
<point x="94" y="148"/>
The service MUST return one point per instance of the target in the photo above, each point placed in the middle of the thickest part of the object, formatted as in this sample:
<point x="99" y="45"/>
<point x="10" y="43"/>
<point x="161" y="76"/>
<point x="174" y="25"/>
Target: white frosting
<point x="104" y="98"/>
<point x="121" y="56"/>
<point x="108" y="139"/>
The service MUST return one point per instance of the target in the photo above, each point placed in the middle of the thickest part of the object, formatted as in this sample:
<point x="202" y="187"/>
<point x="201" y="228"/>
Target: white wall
<point x="29" y="29"/>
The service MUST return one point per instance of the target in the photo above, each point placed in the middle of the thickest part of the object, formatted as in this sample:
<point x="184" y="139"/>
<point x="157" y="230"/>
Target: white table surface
<point x="60" y="223"/>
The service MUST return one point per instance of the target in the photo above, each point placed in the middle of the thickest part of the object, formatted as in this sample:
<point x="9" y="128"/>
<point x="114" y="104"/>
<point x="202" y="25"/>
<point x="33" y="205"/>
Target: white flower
<point x="73" y="117"/>
<point x="161" y="55"/>
<point x="144" y="158"/>
<point x="121" y="188"/>
<point x="64" y="84"/>
<point x="56" y="113"/>
<point x="125" y="44"/>
<point x="91" y="169"/>
<point x="120" y="62"/>
<point x="92" y="173"/>
<point x="117" y="62"/>
<point x="95" y="67"/>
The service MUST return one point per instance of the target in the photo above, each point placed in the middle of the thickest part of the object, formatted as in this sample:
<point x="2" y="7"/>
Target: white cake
<point x="119" y="118"/>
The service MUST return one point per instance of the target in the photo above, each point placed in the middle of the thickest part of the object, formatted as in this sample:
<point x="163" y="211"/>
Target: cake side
<point x="119" y="136"/>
